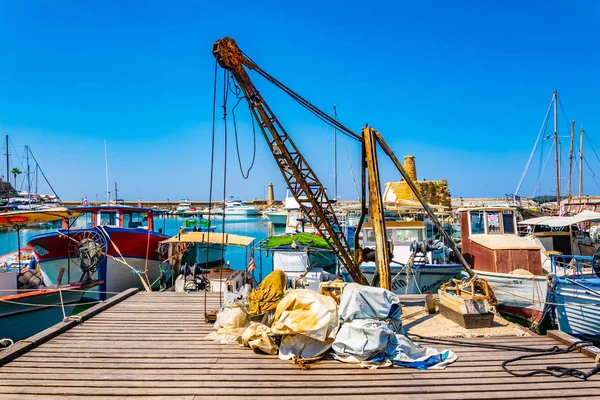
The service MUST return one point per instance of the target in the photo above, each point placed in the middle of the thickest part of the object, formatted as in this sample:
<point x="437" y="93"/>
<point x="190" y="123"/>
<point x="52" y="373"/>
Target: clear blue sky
<point x="462" y="85"/>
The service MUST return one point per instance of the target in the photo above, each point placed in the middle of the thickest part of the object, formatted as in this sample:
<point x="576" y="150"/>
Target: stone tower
<point x="270" y="196"/>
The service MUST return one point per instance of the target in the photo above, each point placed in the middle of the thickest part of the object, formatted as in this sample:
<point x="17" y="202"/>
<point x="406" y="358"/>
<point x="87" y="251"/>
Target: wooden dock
<point x="153" y="345"/>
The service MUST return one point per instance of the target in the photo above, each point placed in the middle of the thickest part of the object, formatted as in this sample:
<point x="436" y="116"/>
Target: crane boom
<point x="299" y="176"/>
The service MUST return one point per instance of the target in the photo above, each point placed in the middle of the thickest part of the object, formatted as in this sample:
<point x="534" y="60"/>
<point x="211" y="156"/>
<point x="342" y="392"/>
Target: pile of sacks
<point x="366" y="330"/>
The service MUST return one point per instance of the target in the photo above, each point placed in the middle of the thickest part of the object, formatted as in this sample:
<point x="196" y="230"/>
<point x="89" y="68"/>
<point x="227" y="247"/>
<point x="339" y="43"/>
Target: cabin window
<point x="508" y="222"/>
<point x="135" y="220"/>
<point x="493" y="222"/>
<point x="83" y="221"/>
<point x="407" y="235"/>
<point x="108" y="218"/>
<point x="370" y="236"/>
<point x="477" y="222"/>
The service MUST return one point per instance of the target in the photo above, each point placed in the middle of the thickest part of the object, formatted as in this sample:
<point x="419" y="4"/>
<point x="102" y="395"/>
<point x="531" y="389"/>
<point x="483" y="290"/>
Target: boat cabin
<point x="112" y="216"/>
<point x="401" y="233"/>
<point x="490" y="241"/>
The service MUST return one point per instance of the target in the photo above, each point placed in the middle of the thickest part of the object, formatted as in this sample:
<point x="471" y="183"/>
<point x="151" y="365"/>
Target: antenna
<point x="335" y="187"/>
<point x="106" y="165"/>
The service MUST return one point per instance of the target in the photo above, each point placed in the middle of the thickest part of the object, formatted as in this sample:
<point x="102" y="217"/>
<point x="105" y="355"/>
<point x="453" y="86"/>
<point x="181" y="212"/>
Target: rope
<point x="21" y="303"/>
<point x="542" y="129"/>
<point x="6" y="343"/>
<point x="147" y="255"/>
<point x="212" y="167"/>
<point x="111" y="256"/>
<point x="552" y="370"/>
<point x="237" y="147"/>
<point x="62" y="305"/>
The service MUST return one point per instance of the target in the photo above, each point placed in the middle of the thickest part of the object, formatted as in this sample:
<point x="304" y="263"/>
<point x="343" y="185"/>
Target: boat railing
<point x="570" y="265"/>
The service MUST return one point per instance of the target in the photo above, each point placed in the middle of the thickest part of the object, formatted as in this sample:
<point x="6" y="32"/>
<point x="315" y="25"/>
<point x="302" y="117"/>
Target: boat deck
<point x="153" y="345"/>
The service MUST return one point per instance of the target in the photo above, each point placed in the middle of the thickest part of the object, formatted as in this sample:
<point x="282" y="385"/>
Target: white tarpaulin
<point x="292" y="261"/>
<point x="371" y="333"/>
<point x="309" y="322"/>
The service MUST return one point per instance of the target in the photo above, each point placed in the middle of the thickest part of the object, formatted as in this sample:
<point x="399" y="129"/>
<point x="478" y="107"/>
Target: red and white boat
<point x="117" y="244"/>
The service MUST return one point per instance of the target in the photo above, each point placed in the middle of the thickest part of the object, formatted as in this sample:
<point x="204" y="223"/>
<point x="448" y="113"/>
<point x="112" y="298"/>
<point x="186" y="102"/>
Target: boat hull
<point x="137" y="247"/>
<point x="578" y="308"/>
<point x="277" y="218"/>
<point x="24" y="315"/>
<point x="422" y="279"/>
<point x="521" y="296"/>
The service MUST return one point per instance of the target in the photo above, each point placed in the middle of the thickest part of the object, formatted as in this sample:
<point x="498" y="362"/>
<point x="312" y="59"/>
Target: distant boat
<point x="275" y="216"/>
<point x="184" y="206"/>
<point x="237" y="207"/>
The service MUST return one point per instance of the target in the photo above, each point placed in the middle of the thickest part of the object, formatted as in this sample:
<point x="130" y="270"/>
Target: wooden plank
<point x="590" y="351"/>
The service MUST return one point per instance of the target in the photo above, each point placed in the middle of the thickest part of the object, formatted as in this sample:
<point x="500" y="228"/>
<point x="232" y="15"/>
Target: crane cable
<point x="212" y="168"/>
<point x="303" y="102"/>
<point x="224" y="106"/>
<point x="237" y="93"/>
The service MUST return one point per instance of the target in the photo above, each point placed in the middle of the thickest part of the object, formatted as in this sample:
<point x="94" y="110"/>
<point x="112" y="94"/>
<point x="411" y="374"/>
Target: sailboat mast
<point x="28" y="178"/>
<point x="556" y="151"/>
<point x="7" y="174"/>
<point x="106" y="166"/>
<point x="581" y="163"/>
<point x="571" y="159"/>
<point x="335" y="187"/>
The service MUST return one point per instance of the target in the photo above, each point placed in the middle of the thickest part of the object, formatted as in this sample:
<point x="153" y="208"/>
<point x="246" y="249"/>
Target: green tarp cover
<point x="305" y="239"/>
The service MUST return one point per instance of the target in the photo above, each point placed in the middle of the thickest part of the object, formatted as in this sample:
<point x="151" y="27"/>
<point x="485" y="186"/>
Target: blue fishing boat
<point x="574" y="297"/>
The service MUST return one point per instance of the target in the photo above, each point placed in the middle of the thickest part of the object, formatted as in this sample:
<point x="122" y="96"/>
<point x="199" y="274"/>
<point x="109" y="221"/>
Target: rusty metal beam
<point x="388" y="150"/>
<point x="376" y="210"/>
<point x="300" y="178"/>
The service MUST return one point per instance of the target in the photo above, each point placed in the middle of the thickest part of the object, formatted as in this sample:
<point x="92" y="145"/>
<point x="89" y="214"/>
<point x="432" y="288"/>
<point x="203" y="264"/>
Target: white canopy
<point x="584" y="216"/>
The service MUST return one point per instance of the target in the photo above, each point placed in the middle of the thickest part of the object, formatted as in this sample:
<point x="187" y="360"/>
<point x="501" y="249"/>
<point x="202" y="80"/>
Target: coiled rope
<point x="552" y="370"/>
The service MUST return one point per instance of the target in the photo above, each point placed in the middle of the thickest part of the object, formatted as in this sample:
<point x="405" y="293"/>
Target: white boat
<point x="275" y="216"/>
<point x="429" y="270"/>
<point x="237" y="207"/>
<point x="184" y="206"/>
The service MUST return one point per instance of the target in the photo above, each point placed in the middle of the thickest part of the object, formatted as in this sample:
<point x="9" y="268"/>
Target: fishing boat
<point x="511" y="264"/>
<point x="305" y="258"/>
<point x="418" y="267"/>
<point x="189" y="253"/>
<point x="117" y="242"/>
<point x="198" y="224"/>
<point x="575" y="295"/>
